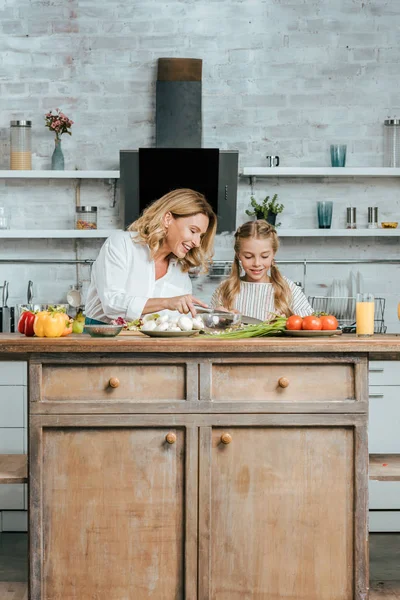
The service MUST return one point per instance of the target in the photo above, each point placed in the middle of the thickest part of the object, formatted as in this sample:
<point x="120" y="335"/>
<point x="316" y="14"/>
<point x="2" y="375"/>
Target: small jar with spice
<point x="86" y="217"/>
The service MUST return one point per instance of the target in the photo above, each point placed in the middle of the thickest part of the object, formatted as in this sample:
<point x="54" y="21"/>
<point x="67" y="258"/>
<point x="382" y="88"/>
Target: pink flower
<point x="52" y="126"/>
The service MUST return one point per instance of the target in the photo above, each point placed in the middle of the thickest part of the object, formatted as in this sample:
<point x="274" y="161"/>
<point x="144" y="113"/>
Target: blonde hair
<point x="260" y="230"/>
<point x="180" y="203"/>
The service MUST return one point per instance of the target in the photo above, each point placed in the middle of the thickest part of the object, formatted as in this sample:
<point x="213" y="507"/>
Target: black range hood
<point x="178" y="160"/>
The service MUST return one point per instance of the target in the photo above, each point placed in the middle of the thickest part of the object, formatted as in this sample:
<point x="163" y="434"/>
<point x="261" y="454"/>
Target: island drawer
<point x="280" y="381"/>
<point x="114" y="382"/>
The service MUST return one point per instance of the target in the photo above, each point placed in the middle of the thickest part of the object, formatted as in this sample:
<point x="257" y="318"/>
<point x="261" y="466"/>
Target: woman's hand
<point x="184" y="304"/>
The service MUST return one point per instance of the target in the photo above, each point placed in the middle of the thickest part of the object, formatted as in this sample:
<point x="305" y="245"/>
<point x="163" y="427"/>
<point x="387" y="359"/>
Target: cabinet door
<point x="113" y="518"/>
<point x="277" y="513"/>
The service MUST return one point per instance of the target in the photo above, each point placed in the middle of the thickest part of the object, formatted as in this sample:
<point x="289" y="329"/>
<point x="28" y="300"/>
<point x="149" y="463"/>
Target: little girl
<point x="263" y="291"/>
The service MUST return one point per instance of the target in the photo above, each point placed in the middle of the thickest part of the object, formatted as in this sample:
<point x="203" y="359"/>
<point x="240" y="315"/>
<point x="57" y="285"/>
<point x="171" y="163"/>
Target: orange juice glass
<point x="365" y="311"/>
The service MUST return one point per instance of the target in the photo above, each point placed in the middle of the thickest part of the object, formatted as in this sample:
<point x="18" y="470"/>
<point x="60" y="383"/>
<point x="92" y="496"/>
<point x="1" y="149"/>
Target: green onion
<point x="273" y="327"/>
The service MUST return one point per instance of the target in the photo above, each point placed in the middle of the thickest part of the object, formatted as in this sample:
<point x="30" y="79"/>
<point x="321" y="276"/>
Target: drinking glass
<point x="365" y="311"/>
<point x="324" y="208"/>
<point x="338" y="155"/>
<point x="4" y="219"/>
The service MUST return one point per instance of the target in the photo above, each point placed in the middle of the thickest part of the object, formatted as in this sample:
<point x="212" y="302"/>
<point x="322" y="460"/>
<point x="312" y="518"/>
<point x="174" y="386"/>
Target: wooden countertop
<point x="379" y="346"/>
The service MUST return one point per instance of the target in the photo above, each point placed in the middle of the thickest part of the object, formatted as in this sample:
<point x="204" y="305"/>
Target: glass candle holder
<point x="338" y="155"/>
<point x="365" y="313"/>
<point x="324" y="209"/>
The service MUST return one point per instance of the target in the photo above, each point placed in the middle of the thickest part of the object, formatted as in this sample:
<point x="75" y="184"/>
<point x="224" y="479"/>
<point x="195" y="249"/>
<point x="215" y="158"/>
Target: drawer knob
<point x="226" y="438"/>
<point x="170" y="438"/>
<point x="114" y="382"/>
<point x="283" y="382"/>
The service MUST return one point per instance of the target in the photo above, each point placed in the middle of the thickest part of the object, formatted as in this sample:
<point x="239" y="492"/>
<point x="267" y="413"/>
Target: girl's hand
<point x="184" y="304"/>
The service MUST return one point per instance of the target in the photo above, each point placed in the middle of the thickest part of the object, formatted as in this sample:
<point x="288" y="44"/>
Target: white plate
<point x="170" y="334"/>
<point x="352" y="294"/>
<point x="360" y="283"/>
<point x="335" y="294"/>
<point x="312" y="333"/>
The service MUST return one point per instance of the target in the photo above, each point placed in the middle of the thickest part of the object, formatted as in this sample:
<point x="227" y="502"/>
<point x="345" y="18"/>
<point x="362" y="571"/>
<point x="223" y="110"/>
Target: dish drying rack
<point x="344" y="309"/>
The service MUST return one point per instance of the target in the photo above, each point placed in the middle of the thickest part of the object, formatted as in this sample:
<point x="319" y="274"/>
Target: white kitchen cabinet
<point x="384" y="438"/>
<point x="13" y="434"/>
<point x="12" y="406"/>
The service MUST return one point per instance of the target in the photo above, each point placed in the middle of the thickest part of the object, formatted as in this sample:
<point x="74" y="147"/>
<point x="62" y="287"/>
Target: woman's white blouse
<point x="123" y="279"/>
<point x="257" y="300"/>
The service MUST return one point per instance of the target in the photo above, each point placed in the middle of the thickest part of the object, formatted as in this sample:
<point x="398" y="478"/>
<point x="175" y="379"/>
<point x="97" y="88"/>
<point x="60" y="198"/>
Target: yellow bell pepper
<point x="49" y="324"/>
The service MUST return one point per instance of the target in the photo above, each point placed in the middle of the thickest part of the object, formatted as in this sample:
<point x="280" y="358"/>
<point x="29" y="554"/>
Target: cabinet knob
<point x="114" y="382"/>
<point x="226" y="438"/>
<point x="170" y="438"/>
<point x="283" y="382"/>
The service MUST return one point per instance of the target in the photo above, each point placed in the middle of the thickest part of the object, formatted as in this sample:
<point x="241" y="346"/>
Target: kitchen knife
<point x="7" y="314"/>
<point x="245" y="319"/>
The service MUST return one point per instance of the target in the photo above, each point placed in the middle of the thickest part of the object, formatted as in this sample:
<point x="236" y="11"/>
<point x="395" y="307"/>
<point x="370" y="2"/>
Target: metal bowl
<point x="103" y="330"/>
<point x="220" y="320"/>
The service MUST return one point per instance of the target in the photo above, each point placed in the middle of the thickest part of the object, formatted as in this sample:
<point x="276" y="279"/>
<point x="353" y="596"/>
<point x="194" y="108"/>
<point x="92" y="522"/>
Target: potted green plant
<point x="268" y="209"/>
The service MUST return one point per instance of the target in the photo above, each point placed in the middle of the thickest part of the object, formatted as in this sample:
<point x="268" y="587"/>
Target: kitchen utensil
<point x="338" y="155"/>
<point x="312" y="333"/>
<point x="272" y="161"/>
<point x="29" y="294"/>
<point x="244" y="318"/>
<point x="36" y="307"/>
<point x="220" y="320"/>
<point x="103" y="330"/>
<point x="170" y="334"/>
<point x="74" y="297"/>
<point x="7" y="313"/>
<point x="351" y="217"/>
<point x="372" y="217"/>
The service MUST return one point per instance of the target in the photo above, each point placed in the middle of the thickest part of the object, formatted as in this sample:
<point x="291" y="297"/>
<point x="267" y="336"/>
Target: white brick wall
<point x="284" y="77"/>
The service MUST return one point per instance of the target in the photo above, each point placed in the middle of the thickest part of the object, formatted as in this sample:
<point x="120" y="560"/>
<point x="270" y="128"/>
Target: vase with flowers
<point x="59" y="123"/>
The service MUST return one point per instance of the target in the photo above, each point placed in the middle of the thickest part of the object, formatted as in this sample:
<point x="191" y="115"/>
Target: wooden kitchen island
<point x="198" y="469"/>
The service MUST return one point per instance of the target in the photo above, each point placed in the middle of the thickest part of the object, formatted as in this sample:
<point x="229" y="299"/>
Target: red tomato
<point x="294" y="322"/>
<point x="329" y="322"/>
<point x="311" y="322"/>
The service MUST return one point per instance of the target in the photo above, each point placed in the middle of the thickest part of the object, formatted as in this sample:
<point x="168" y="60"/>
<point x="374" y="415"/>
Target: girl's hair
<point x="259" y="230"/>
<point x="180" y="203"/>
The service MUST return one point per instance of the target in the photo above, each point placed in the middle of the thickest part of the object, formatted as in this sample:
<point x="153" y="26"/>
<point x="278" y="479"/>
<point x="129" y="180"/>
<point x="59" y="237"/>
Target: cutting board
<point x="132" y="333"/>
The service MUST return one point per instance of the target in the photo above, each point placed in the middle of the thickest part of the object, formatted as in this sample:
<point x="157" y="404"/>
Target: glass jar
<point x="392" y="142"/>
<point x="86" y="217"/>
<point x="20" y="145"/>
<point x="351" y="217"/>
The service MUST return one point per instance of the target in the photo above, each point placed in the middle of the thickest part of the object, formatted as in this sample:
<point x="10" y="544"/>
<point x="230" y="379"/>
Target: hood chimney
<point x="178" y="103"/>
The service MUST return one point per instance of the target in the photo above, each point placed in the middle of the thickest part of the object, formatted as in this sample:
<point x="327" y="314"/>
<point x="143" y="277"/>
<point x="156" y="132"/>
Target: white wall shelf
<point x="55" y="233"/>
<point x="338" y="232"/>
<point x="104" y="233"/>
<point x="319" y="172"/>
<point x="59" y="174"/>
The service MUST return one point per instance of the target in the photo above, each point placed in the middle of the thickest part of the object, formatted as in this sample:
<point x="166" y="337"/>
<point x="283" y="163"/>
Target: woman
<point x="262" y="291"/>
<point x="145" y="269"/>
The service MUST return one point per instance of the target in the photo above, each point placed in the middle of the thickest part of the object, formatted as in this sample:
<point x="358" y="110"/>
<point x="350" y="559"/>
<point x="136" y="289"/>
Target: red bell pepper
<point x="25" y="323"/>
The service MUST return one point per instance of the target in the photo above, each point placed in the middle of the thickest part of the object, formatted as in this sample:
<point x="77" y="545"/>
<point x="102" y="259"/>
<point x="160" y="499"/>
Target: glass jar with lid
<point x="392" y="142"/>
<point x="21" y="145"/>
<point x="86" y="217"/>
